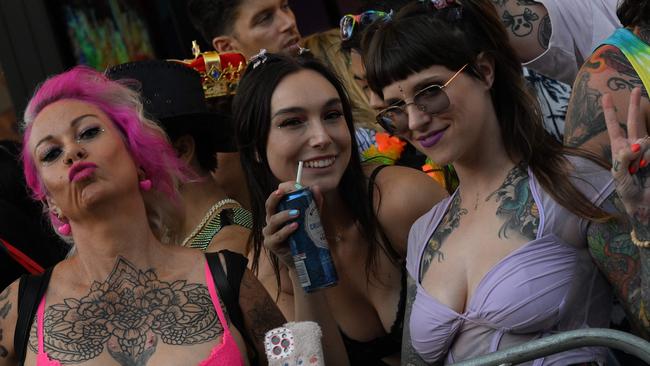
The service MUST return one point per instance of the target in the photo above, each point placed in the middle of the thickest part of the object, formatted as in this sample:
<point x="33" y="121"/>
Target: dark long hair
<point x="420" y="36"/>
<point x="634" y="13"/>
<point x="252" y="113"/>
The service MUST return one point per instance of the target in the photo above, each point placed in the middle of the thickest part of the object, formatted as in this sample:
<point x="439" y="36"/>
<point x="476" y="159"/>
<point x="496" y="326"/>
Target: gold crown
<point x="220" y="72"/>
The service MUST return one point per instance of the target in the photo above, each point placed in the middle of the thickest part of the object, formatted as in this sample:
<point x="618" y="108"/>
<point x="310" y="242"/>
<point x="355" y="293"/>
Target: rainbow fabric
<point x="635" y="50"/>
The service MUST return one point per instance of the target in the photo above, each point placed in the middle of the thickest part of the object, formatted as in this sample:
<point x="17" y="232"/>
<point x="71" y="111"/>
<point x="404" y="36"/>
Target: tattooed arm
<point x="8" y="318"/>
<point x="606" y="71"/>
<point x="626" y="267"/>
<point x="528" y="26"/>
<point x="259" y="311"/>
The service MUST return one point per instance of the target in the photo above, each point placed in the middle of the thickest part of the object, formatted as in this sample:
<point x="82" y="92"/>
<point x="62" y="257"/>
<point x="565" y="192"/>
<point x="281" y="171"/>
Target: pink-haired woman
<point x="108" y="179"/>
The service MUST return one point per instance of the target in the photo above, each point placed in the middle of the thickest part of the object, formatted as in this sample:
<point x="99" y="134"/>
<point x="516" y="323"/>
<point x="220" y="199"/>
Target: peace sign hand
<point x="630" y="158"/>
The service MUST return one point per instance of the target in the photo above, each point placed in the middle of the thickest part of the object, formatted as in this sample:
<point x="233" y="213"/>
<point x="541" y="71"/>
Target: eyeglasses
<point x="346" y="25"/>
<point x="431" y="99"/>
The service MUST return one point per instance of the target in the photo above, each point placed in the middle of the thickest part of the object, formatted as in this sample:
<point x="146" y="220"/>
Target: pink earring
<point x="145" y="185"/>
<point x="64" y="229"/>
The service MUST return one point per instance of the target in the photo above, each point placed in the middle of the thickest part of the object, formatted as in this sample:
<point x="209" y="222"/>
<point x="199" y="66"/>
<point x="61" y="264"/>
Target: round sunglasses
<point x="431" y="99"/>
<point x="347" y="23"/>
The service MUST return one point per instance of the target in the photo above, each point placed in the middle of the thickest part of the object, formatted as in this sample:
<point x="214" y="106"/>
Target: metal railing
<point x="564" y="341"/>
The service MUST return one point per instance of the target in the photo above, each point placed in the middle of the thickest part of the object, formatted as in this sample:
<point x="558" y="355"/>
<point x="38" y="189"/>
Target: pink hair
<point x="145" y="141"/>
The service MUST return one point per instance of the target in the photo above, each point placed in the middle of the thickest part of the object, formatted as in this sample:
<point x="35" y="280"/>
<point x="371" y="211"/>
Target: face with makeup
<point x="308" y="124"/>
<point x="80" y="157"/>
<point x="461" y="126"/>
<point x="268" y="24"/>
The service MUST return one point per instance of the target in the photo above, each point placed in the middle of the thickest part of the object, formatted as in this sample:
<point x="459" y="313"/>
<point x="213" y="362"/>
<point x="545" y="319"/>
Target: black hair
<point x="421" y="36"/>
<point x="252" y="113"/>
<point x="213" y="18"/>
<point x="634" y="12"/>
<point x="204" y="135"/>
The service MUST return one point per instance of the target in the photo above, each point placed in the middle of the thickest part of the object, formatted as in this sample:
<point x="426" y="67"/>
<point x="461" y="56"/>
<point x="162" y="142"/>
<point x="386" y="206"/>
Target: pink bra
<point x="224" y="354"/>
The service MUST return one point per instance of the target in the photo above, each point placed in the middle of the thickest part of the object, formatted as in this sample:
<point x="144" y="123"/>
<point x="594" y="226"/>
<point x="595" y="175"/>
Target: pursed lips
<point x="80" y="171"/>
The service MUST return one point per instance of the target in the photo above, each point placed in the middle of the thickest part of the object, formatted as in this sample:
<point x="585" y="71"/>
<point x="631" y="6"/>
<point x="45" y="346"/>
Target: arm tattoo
<point x="5" y="307"/>
<point x="409" y="356"/>
<point x="262" y="314"/>
<point x="520" y="25"/>
<point x="587" y="118"/>
<point x="626" y="267"/>
<point x="449" y="224"/>
<point x="516" y="205"/>
<point x="128" y="313"/>
<point x="545" y="31"/>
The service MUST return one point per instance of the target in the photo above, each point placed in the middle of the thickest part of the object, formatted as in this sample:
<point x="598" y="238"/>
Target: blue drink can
<point x="309" y="248"/>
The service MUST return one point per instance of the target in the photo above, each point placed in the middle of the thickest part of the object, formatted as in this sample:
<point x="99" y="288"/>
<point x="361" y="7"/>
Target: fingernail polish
<point x="643" y="163"/>
<point x="293" y="213"/>
<point x="632" y="169"/>
<point x="635" y="147"/>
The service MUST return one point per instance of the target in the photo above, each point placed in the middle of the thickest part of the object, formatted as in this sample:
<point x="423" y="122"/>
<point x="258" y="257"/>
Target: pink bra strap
<point x="215" y="298"/>
<point x="40" y="314"/>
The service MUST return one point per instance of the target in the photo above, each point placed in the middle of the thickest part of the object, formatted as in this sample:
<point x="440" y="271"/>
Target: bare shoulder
<point x="407" y="189"/>
<point x="401" y="196"/>
<point x="232" y="237"/>
<point x="607" y="70"/>
<point x="8" y="318"/>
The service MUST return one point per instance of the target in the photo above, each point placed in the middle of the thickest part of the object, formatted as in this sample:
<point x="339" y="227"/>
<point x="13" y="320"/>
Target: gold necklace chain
<point x="207" y="217"/>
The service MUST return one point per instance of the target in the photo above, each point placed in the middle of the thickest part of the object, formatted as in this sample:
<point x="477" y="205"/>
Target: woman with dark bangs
<point x="289" y="110"/>
<point x="505" y="259"/>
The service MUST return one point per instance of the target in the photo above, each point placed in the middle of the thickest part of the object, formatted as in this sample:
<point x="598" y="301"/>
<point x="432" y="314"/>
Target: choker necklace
<point x="214" y="209"/>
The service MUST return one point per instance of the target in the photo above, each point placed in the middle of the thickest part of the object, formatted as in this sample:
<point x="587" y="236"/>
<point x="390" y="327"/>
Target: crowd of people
<point x="163" y="179"/>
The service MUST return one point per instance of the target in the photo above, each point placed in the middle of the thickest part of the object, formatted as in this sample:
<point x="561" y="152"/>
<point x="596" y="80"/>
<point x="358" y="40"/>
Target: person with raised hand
<point x="506" y="259"/>
<point x="289" y="110"/>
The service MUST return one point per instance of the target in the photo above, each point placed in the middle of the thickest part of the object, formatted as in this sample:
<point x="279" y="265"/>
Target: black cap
<point x="172" y="95"/>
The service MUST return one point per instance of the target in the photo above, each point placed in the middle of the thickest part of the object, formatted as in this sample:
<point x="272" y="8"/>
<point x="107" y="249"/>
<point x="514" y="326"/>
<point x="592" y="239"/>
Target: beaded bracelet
<point x="637" y="242"/>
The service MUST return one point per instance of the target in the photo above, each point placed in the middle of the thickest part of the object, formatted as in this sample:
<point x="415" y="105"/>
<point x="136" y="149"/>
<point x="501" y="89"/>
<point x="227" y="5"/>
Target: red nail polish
<point x="643" y="163"/>
<point x="632" y="169"/>
<point x="635" y="147"/>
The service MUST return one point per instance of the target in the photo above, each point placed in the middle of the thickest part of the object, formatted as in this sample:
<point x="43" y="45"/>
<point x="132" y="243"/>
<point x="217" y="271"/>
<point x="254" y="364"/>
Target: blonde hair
<point x="326" y="46"/>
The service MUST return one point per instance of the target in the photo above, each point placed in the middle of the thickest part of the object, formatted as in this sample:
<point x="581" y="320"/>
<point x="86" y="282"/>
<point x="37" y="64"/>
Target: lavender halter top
<point x="547" y="285"/>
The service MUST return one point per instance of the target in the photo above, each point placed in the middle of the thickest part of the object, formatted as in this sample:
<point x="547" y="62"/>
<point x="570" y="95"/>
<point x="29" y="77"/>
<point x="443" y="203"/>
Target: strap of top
<point x="30" y="290"/>
<point x="215" y="298"/>
<point x="228" y="286"/>
<point x="40" y="314"/>
<point x="635" y="50"/>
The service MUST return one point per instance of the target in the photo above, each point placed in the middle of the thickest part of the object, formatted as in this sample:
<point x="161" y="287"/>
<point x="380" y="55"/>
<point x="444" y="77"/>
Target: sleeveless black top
<point x="372" y="352"/>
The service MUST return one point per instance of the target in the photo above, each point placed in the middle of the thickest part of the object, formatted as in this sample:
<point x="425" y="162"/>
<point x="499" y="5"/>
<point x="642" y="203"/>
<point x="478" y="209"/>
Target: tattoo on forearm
<point x="587" y="118"/>
<point x="128" y="314"/>
<point x="544" y="32"/>
<point x="620" y="261"/>
<point x="409" y="356"/>
<point x="261" y="312"/>
<point x="516" y="205"/>
<point x="520" y="25"/>
<point x="449" y="224"/>
<point x="5" y="307"/>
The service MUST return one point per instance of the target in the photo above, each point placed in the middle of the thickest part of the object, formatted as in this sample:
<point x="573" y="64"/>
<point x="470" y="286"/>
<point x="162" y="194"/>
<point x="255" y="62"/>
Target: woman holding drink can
<point x="290" y="110"/>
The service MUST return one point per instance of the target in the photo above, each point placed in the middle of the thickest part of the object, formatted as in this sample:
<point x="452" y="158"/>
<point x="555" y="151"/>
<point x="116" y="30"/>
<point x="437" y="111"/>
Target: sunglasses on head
<point x="347" y="23"/>
<point x="431" y="99"/>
